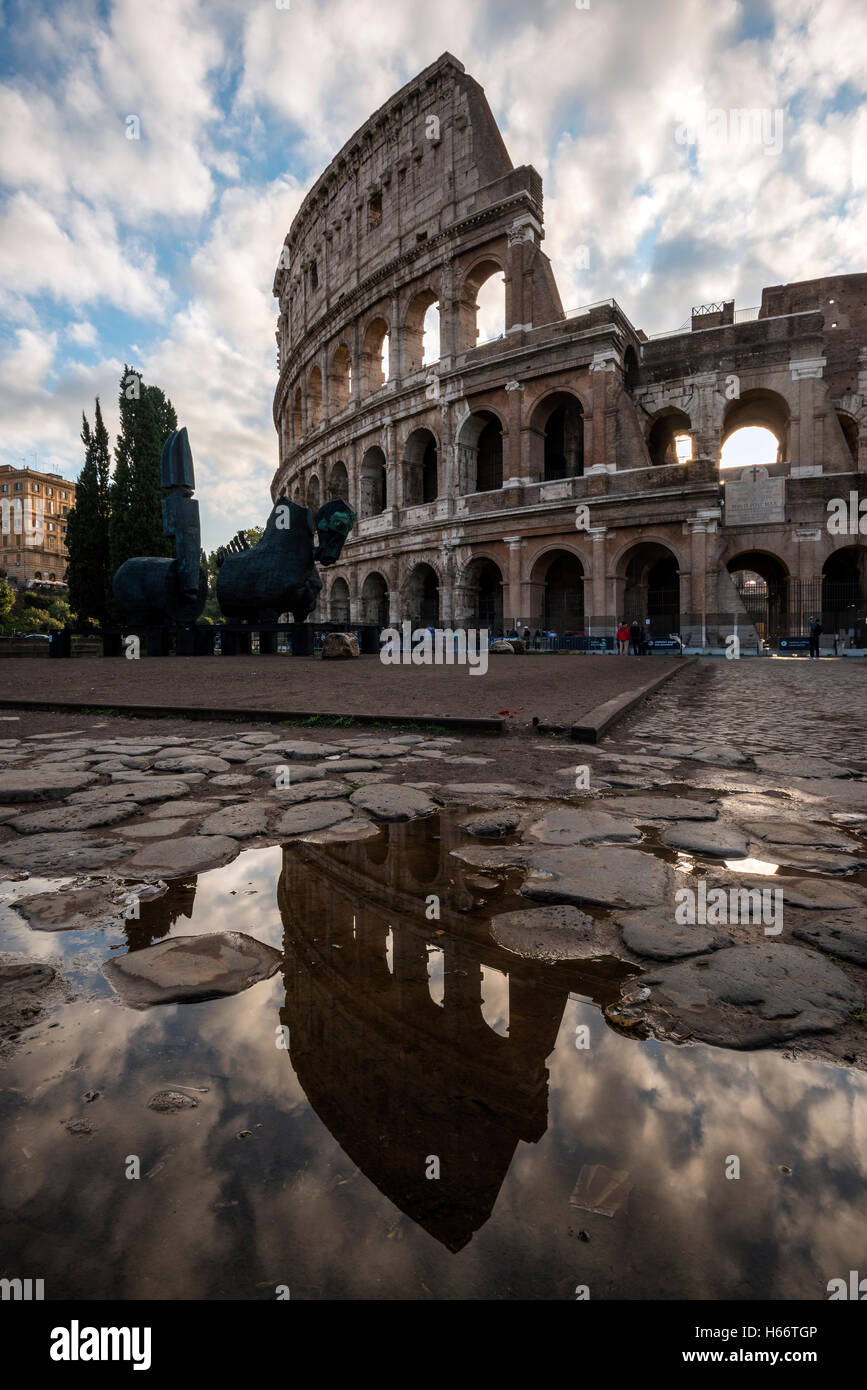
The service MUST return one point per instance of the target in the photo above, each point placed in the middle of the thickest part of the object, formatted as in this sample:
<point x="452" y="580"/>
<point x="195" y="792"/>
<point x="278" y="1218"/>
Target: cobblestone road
<point x="784" y="706"/>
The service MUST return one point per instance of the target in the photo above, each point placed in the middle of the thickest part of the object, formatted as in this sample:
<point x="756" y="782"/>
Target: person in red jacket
<point x="622" y="639"/>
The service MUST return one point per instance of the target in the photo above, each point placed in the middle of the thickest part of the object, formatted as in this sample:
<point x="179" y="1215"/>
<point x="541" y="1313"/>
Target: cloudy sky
<point x="161" y="250"/>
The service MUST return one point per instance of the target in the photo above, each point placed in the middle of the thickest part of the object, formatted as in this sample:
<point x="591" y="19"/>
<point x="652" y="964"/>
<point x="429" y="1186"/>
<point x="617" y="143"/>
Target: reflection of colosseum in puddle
<point x="393" y="1074"/>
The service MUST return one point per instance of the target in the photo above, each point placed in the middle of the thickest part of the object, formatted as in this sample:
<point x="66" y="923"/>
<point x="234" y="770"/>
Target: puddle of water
<point x="386" y="1040"/>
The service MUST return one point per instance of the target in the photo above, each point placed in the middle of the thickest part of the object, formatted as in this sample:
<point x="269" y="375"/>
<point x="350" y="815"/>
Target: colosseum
<point x="568" y="470"/>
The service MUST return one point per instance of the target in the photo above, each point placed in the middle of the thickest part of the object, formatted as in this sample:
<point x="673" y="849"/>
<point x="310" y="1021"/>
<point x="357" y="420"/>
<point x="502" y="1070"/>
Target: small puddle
<point x="404" y="1110"/>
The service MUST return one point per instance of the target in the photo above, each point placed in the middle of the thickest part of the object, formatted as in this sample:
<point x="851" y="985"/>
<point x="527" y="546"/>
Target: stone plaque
<point x="754" y="498"/>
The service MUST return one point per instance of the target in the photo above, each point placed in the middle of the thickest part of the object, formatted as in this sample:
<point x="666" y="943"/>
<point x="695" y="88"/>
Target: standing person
<point x="815" y="634"/>
<point x="635" y="638"/>
<point x="622" y="638"/>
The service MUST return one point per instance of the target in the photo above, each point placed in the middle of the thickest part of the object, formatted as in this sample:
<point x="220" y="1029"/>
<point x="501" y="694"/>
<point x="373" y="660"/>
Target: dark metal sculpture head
<point x="334" y="521"/>
<point x="176" y="462"/>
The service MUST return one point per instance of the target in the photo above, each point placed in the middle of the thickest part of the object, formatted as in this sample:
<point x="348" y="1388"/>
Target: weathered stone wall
<point x="481" y="458"/>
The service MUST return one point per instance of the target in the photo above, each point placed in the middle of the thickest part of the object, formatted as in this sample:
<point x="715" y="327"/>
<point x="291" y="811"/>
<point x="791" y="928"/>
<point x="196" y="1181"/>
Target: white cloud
<point x="179" y="236"/>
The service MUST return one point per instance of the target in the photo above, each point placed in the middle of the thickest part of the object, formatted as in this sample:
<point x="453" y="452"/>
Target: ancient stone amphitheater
<point x="567" y="471"/>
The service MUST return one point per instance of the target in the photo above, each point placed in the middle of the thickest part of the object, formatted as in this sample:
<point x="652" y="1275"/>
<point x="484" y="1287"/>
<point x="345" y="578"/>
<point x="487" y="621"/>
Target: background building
<point x="570" y="471"/>
<point x="33" y="510"/>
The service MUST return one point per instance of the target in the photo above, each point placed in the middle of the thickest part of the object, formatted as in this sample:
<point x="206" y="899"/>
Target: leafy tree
<point x="7" y="597"/>
<point x="34" y="612"/>
<point x="87" y="527"/>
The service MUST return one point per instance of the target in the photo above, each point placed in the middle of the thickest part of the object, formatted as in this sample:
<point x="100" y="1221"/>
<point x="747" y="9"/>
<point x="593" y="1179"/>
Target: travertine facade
<point x="469" y="472"/>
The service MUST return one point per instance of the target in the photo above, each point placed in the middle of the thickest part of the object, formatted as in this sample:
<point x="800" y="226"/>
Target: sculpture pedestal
<point x="235" y="643"/>
<point x="301" y="636"/>
<point x="194" y="641"/>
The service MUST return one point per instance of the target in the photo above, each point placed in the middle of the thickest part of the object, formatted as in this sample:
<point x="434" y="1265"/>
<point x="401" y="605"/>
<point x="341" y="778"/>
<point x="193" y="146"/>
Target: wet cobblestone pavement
<point x="285" y="967"/>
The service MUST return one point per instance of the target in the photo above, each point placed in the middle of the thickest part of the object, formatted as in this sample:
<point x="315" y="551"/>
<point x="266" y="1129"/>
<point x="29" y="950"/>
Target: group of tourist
<point x="631" y="639"/>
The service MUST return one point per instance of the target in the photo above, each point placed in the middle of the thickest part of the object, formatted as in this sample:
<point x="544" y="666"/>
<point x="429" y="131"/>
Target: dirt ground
<point x="555" y="688"/>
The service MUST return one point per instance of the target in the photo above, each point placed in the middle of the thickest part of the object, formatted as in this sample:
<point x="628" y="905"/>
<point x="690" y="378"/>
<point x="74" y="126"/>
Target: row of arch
<point x="761" y="420"/>
<point x="558" y="425"/>
<point x="650" y="574"/>
<point x="481" y="317"/>
<point x="756" y="430"/>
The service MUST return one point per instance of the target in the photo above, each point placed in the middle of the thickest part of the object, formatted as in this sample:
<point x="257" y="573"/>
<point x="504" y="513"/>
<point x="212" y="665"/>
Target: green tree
<point x="7" y="597"/>
<point x="147" y="418"/>
<point x="87" y="527"/>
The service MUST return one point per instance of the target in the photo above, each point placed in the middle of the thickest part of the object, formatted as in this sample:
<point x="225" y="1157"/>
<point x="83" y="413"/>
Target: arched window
<point x="313" y="493"/>
<point x="374" y="600"/>
<point x="422" y="336"/>
<point x="483" y="305"/>
<point x="756" y="430"/>
<point x="373" y="489"/>
<point x="375" y="357"/>
<point x="339" y="604"/>
<point x="421" y="482"/>
<point x="480" y="453"/>
<point x="557" y="437"/>
<point x="338" y="482"/>
<point x="669" y="440"/>
<point x="340" y="378"/>
<point x="423" y="596"/>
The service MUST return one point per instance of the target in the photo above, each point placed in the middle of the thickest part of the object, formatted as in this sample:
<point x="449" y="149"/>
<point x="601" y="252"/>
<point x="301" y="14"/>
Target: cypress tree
<point x="147" y="418"/>
<point x="87" y="526"/>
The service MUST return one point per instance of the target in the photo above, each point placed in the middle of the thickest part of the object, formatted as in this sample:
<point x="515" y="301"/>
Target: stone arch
<point x="422" y="591"/>
<point x="373" y="482"/>
<point x="312" y="494"/>
<point x="338" y="601"/>
<point x="338" y="482"/>
<point x="475" y="278"/>
<point x="421" y="331"/>
<point x="480" y="594"/>
<point x="340" y="378"/>
<point x="849" y="426"/>
<point x="374" y="351"/>
<point x="480" y="452"/>
<point x="761" y="580"/>
<point x="647" y="577"/>
<point x="557" y="437"/>
<point x="374" y="599"/>
<point x="558" y="574"/>
<point x="314" y="397"/>
<point x="666" y="429"/>
<point x="421" y="467"/>
<point x="844" y="593"/>
<point x="757" y="408"/>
